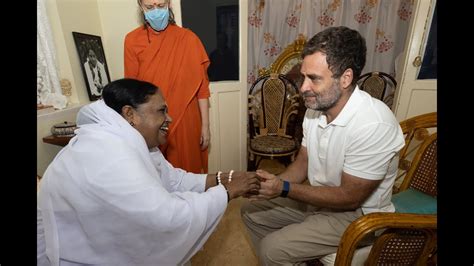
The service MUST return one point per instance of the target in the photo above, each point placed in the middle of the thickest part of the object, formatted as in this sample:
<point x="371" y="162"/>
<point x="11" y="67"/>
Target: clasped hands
<point x="257" y="185"/>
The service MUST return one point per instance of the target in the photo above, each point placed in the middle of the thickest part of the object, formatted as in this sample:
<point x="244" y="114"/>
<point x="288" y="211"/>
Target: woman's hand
<point x="205" y="137"/>
<point x="242" y="183"/>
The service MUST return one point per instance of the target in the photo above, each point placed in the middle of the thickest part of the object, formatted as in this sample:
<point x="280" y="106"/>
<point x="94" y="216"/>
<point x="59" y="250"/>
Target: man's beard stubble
<point x="325" y="100"/>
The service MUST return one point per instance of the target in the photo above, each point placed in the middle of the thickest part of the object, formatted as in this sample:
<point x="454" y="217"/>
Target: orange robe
<point x="174" y="60"/>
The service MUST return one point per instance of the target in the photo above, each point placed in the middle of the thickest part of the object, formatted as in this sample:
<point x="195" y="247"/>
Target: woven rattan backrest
<point x="273" y="99"/>
<point x="375" y="83"/>
<point x="399" y="246"/>
<point x="423" y="175"/>
<point x="404" y="239"/>
<point x="415" y="130"/>
<point x="273" y="103"/>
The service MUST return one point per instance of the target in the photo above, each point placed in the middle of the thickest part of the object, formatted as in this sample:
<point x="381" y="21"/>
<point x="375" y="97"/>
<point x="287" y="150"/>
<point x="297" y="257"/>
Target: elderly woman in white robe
<point x="111" y="198"/>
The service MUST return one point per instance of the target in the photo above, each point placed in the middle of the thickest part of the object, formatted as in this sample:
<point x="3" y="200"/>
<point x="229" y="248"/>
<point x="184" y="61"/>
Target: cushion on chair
<point x="360" y="256"/>
<point x="272" y="144"/>
<point x="414" y="201"/>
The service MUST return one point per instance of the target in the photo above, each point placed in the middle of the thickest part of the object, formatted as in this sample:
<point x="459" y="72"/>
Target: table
<point x="57" y="140"/>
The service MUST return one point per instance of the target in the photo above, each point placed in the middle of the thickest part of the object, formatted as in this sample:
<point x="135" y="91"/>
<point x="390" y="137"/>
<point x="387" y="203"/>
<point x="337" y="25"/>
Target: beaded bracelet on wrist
<point x="219" y="182"/>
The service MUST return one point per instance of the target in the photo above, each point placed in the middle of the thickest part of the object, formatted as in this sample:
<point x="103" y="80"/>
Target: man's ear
<point x="346" y="78"/>
<point x="128" y="113"/>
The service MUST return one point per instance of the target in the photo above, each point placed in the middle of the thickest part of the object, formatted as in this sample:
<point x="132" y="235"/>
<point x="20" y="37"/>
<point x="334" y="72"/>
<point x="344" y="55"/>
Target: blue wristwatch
<point x="286" y="189"/>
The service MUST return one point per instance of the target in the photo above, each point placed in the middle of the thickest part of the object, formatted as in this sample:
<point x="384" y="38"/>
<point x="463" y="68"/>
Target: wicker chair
<point x="288" y="63"/>
<point x="376" y="84"/>
<point x="273" y="99"/>
<point x="415" y="129"/>
<point x="417" y="170"/>
<point x="406" y="238"/>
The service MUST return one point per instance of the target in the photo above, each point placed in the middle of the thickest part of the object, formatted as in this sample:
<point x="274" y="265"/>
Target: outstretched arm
<point x="349" y="195"/>
<point x="240" y="184"/>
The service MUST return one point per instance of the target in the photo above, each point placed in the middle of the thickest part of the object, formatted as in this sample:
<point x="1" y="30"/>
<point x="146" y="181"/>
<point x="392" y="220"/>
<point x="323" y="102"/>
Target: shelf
<point x="56" y="140"/>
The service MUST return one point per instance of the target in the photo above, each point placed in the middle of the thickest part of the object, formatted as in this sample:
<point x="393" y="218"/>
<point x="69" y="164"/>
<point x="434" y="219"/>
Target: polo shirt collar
<point x="348" y="111"/>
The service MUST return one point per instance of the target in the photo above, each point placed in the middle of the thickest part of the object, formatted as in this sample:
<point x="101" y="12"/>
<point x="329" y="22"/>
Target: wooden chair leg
<point x="251" y="166"/>
<point x="251" y="162"/>
<point x="258" y="159"/>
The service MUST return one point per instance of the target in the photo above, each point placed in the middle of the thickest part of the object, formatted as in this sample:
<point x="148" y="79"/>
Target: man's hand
<point x="270" y="186"/>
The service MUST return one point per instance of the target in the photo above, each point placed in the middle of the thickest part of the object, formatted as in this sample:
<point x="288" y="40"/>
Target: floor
<point x="230" y="243"/>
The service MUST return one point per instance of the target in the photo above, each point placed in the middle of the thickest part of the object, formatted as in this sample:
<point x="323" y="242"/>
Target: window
<point x="429" y="66"/>
<point x="217" y="25"/>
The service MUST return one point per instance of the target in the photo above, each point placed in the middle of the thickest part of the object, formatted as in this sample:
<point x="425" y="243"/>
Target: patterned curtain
<point x="274" y="24"/>
<point x="48" y="89"/>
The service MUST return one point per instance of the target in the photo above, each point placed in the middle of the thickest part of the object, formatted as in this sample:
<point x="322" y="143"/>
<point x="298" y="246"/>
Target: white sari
<point x="106" y="199"/>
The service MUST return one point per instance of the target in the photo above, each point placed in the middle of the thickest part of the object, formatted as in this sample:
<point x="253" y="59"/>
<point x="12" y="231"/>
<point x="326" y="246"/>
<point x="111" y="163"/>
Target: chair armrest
<point x="372" y="222"/>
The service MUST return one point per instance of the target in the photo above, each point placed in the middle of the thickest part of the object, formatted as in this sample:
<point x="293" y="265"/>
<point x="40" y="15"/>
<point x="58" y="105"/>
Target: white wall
<point x="72" y="18"/>
<point x="117" y="18"/>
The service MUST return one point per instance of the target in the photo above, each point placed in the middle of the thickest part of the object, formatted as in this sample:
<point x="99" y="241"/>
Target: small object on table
<point x="62" y="133"/>
<point x="65" y="129"/>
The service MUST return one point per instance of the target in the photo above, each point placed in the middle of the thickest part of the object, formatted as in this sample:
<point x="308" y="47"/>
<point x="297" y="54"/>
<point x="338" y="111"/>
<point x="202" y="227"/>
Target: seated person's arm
<point x="367" y="159"/>
<point x="350" y="195"/>
<point x="297" y="171"/>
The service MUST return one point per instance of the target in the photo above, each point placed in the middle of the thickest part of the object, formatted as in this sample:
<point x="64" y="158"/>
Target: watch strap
<point x="286" y="189"/>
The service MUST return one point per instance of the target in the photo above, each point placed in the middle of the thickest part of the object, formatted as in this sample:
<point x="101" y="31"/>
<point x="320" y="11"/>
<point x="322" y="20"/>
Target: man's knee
<point x="272" y="250"/>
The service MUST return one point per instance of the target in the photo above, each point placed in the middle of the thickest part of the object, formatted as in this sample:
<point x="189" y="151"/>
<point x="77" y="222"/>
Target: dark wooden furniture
<point x="55" y="140"/>
<point x="415" y="130"/>
<point x="376" y="83"/>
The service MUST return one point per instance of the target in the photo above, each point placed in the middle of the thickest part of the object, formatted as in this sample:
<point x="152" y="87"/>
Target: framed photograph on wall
<point x="93" y="63"/>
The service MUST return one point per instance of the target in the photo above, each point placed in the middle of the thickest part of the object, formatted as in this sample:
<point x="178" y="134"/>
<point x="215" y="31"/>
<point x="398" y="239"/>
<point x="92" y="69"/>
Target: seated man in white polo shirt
<point x="349" y="155"/>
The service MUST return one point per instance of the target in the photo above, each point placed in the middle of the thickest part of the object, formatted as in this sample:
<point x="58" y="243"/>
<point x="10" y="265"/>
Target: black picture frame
<point x="87" y="46"/>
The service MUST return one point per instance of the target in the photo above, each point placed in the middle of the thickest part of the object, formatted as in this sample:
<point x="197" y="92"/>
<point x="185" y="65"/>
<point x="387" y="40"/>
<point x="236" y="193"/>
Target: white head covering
<point x="103" y="200"/>
<point x="86" y="115"/>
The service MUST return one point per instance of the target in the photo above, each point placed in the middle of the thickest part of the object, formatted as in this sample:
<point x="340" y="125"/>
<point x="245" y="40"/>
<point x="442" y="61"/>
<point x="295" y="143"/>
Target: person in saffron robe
<point x="174" y="59"/>
<point x="111" y="198"/>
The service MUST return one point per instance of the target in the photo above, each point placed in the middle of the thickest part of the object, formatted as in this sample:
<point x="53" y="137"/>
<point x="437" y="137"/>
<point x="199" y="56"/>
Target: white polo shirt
<point x="363" y="141"/>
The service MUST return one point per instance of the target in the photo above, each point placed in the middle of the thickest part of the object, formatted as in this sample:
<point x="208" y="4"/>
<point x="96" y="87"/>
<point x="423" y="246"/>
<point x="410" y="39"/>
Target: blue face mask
<point x="158" y="18"/>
